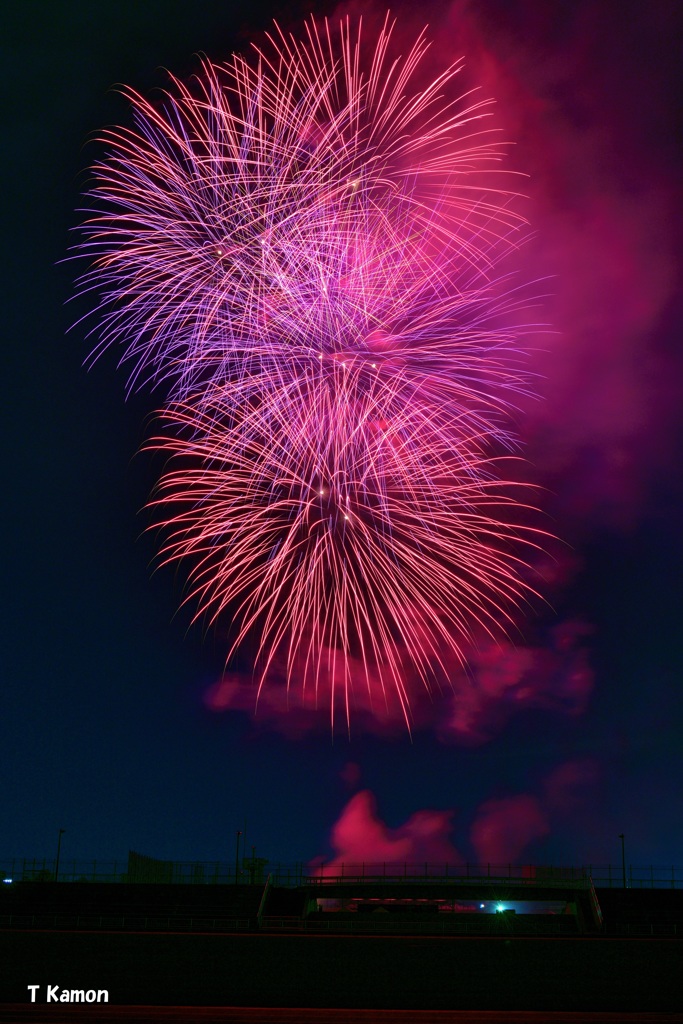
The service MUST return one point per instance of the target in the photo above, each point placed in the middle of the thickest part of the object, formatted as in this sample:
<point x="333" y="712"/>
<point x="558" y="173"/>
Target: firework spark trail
<point x="303" y="251"/>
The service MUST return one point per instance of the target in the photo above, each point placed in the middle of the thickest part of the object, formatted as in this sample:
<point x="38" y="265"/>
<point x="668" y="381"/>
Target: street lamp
<point x="623" y="859"/>
<point x="237" y="856"/>
<point x="59" y="847"/>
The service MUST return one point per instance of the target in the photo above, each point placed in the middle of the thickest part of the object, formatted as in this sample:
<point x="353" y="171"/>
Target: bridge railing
<point x="495" y="878"/>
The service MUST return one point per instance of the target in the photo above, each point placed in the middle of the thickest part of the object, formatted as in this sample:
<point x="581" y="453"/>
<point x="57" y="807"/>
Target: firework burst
<point x="301" y="251"/>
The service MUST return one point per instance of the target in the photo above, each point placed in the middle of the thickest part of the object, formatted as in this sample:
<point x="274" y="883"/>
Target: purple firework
<point x="301" y="250"/>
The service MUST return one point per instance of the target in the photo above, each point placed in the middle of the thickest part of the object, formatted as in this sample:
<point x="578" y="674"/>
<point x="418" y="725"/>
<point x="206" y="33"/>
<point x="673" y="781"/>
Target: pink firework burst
<point x="302" y="250"/>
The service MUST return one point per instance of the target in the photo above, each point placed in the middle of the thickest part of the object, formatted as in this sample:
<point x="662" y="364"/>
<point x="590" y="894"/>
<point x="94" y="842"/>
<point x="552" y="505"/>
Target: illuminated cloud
<point x="360" y="836"/>
<point x="503" y="829"/>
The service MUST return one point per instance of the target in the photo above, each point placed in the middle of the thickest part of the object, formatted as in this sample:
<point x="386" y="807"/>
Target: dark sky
<point x="574" y="734"/>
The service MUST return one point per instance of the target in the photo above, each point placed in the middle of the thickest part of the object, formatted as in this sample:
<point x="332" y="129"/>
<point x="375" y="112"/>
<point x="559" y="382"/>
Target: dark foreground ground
<point x="19" y="1014"/>
<point x="384" y="972"/>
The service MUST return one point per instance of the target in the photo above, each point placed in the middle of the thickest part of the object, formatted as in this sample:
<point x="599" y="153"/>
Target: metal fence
<point x="292" y="875"/>
<point x="124" y="922"/>
<point x="611" y="876"/>
<point x="24" y="869"/>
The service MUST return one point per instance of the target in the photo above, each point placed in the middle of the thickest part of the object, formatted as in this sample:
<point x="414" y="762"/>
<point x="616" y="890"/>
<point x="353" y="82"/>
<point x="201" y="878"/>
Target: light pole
<point x="237" y="857"/>
<point x="59" y="847"/>
<point x="623" y="859"/>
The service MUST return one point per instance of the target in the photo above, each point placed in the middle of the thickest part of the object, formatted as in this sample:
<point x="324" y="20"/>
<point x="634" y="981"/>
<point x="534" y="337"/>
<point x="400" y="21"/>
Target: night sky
<point x="559" y="741"/>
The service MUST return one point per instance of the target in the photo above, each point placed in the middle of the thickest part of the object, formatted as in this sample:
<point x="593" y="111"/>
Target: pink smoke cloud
<point x="503" y="678"/>
<point x="568" y="785"/>
<point x="471" y="700"/>
<point x="469" y="705"/>
<point x="308" y="706"/>
<point x="591" y="127"/>
<point x="503" y="829"/>
<point x="360" y="837"/>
